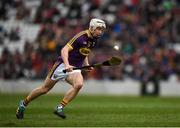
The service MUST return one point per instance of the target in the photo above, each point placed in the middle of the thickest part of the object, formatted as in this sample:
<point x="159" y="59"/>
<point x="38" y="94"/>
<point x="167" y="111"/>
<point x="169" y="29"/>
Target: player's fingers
<point x="69" y="69"/>
<point x="89" y="69"/>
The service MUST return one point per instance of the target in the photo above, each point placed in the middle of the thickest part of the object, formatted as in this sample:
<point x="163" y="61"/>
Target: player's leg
<point x="76" y="80"/>
<point x="47" y="85"/>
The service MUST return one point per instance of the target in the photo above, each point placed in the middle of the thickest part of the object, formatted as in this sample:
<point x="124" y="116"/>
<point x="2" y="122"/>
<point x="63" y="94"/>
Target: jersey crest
<point x="84" y="51"/>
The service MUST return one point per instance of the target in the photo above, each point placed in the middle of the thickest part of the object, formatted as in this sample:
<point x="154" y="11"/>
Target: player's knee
<point x="78" y="86"/>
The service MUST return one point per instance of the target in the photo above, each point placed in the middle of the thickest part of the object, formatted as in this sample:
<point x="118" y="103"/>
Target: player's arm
<point x="64" y="54"/>
<point x="68" y="47"/>
<point x="86" y="63"/>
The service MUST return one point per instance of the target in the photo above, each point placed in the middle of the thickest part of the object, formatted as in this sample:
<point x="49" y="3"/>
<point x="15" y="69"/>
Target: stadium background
<point x="32" y="33"/>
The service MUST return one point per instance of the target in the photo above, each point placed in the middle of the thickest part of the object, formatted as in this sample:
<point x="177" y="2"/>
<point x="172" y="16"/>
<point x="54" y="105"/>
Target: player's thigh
<point x="48" y="83"/>
<point x="75" y="79"/>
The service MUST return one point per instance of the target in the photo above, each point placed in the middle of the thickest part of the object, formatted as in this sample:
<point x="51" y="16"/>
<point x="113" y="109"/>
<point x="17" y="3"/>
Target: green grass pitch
<point x="96" y="111"/>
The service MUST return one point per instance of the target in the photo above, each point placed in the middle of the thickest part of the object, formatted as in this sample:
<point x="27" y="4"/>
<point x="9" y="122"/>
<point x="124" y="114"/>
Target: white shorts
<point x="57" y="73"/>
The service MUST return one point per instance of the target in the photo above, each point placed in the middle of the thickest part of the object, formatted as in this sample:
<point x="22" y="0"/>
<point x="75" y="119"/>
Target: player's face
<point x="98" y="32"/>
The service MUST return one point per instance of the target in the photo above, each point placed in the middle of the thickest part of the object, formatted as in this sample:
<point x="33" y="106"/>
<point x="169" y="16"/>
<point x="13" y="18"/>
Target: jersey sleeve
<point x="73" y="42"/>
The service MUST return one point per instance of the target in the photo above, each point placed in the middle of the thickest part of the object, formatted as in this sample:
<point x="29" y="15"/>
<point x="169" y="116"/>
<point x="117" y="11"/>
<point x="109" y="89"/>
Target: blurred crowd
<point x="145" y="30"/>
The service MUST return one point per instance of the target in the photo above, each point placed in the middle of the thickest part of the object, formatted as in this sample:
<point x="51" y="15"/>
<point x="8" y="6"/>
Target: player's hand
<point x="89" y="69"/>
<point x="69" y="68"/>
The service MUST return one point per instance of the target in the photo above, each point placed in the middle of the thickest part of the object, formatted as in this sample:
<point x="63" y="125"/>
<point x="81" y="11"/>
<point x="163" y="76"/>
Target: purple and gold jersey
<point x="80" y="45"/>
